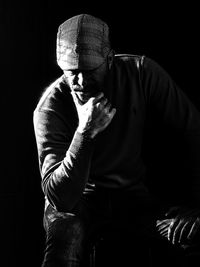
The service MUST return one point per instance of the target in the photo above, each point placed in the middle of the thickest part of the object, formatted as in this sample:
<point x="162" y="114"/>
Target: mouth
<point x="84" y="94"/>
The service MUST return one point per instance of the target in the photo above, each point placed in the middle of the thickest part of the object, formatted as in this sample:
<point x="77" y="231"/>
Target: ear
<point x="110" y="58"/>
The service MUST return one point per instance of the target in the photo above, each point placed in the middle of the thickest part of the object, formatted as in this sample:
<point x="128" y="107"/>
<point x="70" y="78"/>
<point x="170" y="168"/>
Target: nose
<point x="79" y="79"/>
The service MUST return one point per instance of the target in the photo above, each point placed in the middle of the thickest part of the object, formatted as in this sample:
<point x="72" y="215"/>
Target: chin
<point x="83" y="97"/>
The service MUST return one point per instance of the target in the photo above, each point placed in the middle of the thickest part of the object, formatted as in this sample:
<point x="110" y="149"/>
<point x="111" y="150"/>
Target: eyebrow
<point x="87" y="71"/>
<point x="79" y="70"/>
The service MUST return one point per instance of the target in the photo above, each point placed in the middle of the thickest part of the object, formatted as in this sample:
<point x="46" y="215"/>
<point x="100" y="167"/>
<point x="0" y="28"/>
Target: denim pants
<point x="69" y="234"/>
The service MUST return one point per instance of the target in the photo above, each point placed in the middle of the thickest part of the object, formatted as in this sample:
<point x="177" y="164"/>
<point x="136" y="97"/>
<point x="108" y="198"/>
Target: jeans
<point x="69" y="234"/>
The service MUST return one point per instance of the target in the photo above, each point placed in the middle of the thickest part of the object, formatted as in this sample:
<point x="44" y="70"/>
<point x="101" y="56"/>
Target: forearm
<point x="64" y="185"/>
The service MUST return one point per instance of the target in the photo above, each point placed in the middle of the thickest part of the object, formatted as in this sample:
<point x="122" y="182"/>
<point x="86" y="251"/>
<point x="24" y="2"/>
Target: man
<point x="89" y="127"/>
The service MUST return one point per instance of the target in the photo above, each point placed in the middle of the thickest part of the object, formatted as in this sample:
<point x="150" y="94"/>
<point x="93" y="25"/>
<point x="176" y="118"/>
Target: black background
<point x="166" y="32"/>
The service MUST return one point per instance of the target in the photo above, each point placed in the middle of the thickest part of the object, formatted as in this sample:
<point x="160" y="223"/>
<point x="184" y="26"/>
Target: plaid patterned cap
<point x="82" y="43"/>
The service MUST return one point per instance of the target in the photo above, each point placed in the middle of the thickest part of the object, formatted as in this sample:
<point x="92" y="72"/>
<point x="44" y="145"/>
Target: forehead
<point x="83" y="70"/>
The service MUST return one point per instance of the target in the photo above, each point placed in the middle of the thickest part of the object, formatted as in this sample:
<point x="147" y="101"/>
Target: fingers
<point x="95" y="114"/>
<point x="163" y="226"/>
<point x="101" y="102"/>
<point x="185" y="231"/>
<point x="112" y="113"/>
<point x="106" y="120"/>
<point x="96" y="99"/>
<point x="182" y="228"/>
<point x="104" y="101"/>
<point x="176" y="231"/>
<point x="105" y="106"/>
<point x="163" y="230"/>
<point x="194" y="229"/>
<point x="109" y="111"/>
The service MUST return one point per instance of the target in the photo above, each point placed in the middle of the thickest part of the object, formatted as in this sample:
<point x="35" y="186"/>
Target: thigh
<point x="68" y="235"/>
<point x="83" y="222"/>
<point x="67" y="225"/>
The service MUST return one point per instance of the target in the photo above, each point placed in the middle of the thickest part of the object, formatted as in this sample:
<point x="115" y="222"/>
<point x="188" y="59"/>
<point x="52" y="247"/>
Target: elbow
<point x="62" y="205"/>
<point x="62" y="200"/>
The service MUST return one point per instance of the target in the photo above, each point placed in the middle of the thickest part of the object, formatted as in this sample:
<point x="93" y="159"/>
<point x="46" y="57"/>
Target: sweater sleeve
<point x="177" y="112"/>
<point x="64" y="159"/>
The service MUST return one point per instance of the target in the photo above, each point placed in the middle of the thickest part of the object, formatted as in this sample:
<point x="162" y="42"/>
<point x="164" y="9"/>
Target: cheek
<point x="69" y="80"/>
<point x="98" y="79"/>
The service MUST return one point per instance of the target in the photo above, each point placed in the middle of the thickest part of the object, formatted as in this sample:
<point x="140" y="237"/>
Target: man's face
<point x="86" y="83"/>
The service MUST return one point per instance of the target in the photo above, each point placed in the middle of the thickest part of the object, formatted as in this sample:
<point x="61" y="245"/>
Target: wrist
<point x="86" y="132"/>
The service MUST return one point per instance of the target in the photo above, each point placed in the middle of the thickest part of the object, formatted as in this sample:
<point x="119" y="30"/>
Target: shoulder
<point x="52" y="94"/>
<point x="129" y="59"/>
<point x="137" y="60"/>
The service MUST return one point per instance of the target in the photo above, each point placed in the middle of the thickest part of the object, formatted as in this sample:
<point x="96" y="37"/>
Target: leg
<point x="68" y="234"/>
<point x="64" y="239"/>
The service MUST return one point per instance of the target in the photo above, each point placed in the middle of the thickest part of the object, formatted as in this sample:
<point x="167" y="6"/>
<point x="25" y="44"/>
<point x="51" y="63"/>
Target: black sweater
<point x="71" y="163"/>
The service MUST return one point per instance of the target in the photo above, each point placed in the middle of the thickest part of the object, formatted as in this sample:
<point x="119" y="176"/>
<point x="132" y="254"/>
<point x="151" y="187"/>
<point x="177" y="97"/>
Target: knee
<point x="64" y="240"/>
<point x="75" y="229"/>
<point x="68" y="228"/>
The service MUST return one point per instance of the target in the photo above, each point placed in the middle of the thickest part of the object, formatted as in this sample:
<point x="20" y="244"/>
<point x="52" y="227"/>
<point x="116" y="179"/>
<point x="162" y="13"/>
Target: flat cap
<point x="82" y="43"/>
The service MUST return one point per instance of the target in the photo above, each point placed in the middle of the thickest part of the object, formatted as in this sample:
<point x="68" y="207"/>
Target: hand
<point x="95" y="115"/>
<point x="181" y="226"/>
